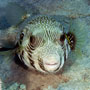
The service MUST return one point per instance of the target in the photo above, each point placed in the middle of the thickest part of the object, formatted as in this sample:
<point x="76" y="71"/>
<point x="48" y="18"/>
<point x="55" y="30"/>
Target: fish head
<point x="45" y="46"/>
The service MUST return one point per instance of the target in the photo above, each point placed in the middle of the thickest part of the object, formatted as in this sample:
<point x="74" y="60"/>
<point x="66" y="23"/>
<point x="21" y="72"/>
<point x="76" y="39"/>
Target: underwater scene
<point x="44" y="44"/>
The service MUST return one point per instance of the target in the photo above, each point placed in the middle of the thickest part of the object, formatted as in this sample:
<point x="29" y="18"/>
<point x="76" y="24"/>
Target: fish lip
<point x="51" y="64"/>
<point x="51" y="67"/>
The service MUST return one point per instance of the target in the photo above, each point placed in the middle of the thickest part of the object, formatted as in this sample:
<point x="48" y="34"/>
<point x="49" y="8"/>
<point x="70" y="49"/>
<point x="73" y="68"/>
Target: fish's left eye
<point x="62" y="37"/>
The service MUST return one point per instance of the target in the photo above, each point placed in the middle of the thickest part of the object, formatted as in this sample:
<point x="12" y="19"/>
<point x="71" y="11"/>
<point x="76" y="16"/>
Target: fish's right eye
<point x="21" y="36"/>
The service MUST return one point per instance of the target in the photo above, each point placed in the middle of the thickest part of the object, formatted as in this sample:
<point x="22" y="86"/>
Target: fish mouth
<point x="51" y="67"/>
<point x="51" y="64"/>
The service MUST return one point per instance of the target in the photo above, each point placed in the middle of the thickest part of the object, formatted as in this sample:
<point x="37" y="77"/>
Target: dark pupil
<point x="62" y="38"/>
<point x="32" y="40"/>
<point x="21" y="36"/>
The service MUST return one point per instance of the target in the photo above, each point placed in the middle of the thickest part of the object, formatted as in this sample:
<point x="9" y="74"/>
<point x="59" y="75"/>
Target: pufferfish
<point x="44" y="46"/>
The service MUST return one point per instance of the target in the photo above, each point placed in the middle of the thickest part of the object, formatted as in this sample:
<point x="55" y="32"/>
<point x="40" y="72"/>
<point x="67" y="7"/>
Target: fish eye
<point x="21" y="35"/>
<point x="62" y="37"/>
<point x="32" y="39"/>
<point x="36" y="41"/>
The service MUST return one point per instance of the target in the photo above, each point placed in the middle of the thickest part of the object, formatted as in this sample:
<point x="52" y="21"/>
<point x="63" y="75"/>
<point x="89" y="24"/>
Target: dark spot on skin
<point x="19" y="62"/>
<point x="32" y="40"/>
<point x="30" y="54"/>
<point x="47" y="33"/>
<point x="21" y="55"/>
<point x="64" y="56"/>
<point x="32" y="47"/>
<point x="21" y="37"/>
<point x="22" y="52"/>
<point x="31" y="62"/>
<point x="40" y="62"/>
<point x="57" y="68"/>
<point x="31" y="23"/>
<point x="28" y="49"/>
<point x="62" y="38"/>
<point x="72" y="40"/>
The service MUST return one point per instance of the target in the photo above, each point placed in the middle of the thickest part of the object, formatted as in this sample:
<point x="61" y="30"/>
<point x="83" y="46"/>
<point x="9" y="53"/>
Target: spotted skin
<point x="43" y="36"/>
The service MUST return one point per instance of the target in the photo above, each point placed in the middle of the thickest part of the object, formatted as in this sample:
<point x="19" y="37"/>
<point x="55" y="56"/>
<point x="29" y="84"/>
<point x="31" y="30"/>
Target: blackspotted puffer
<point x="44" y="46"/>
